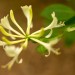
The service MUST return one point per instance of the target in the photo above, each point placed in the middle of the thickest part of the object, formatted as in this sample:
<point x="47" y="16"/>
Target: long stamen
<point x="8" y="34"/>
<point x="12" y="42"/>
<point x="14" y="21"/>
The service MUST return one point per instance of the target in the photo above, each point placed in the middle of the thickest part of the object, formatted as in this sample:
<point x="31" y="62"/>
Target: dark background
<point x="33" y="62"/>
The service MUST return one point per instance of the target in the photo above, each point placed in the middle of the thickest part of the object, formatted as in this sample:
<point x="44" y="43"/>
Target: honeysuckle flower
<point x="14" y="52"/>
<point x="48" y="45"/>
<point x="23" y="37"/>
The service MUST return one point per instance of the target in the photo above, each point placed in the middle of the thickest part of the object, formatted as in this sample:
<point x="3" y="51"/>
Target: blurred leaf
<point x="41" y="49"/>
<point x="72" y="2"/>
<point x="63" y="12"/>
<point x="69" y="38"/>
<point x="70" y="21"/>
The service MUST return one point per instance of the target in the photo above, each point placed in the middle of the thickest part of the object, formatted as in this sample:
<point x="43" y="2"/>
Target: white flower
<point x="14" y="52"/>
<point x="48" y="45"/>
<point x="23" y="37"/>
<point x="28" y="13"/>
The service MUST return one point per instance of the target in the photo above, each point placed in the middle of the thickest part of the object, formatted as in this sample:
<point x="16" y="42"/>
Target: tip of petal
<point x="47" y="54"/>
<point x="20" y="61"/>
<point x="56" y="51"/>
<point x="53" y="14"/>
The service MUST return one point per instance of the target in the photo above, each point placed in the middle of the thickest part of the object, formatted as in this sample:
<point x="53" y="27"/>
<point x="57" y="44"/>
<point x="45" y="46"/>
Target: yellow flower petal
<point x="12" y="42"/>
<point x="14" y="21"/>
<point x="8" y="34"/>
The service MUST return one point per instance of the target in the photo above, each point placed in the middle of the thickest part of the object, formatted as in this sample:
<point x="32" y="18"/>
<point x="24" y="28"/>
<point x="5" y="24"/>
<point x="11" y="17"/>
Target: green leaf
<point x="69" y="38"/>
<point x="63" y="13"/>
<point x="41" y="49"/>
<point x="70" y="22"/>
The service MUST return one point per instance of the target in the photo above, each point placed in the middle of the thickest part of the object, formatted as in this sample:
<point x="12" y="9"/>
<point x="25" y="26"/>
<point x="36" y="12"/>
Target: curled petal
<point x="49" y="35"/>
<point x="19" y="61"/>
<point x="54" y="22"/>
<point x="5" y="23"/>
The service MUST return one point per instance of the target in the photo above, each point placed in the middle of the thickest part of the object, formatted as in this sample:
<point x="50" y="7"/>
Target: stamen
<point x="14" y="21"/>
<point x="12" y="42"/>
<point x="8" y="34"/>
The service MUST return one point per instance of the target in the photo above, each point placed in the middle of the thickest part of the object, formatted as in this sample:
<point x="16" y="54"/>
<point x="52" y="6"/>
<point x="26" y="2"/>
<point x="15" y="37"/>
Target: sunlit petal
<point x="53" y="23"/>
<point x="5" y="23"/>
<point x="14" y="21"/>
<point x="27" y="10"/>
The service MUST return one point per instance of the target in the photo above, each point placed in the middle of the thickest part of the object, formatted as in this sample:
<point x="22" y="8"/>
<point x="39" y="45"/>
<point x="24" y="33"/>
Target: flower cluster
<point x="23" y="37"/>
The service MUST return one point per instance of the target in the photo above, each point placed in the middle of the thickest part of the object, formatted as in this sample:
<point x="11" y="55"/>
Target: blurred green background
<point x="33" y="62"/>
